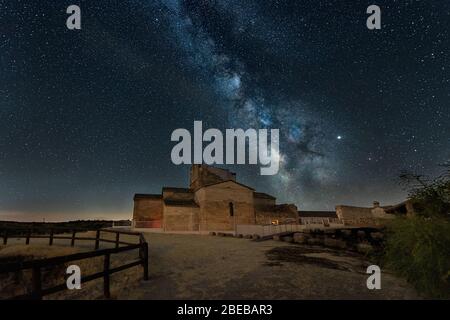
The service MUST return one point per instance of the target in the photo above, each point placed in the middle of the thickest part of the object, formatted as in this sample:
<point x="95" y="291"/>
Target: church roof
<point x="176" y="189"/>
<point x="263" y="195"/>
<point x="215" y="183"/>
<point x="180" y="203"/>
<point x="147" y="196"/>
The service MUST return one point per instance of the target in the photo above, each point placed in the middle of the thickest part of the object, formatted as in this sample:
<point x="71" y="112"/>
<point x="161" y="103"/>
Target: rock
<point x="376" y="235"/>
<point x="364" y="248"/>
<point x="248" y="236"/>
<point x="346" y="233"/>
<point x="276" y="238"/>
<point x="212" y="233"/>
<point x="299" y="235"/>
<point x="300" y="238"/>
<point x="361" y="234"/>
<point x="315" y="241"/>
<point x="255" y="236"/>
<point x="221" y="234"/>
<point x="335" y="243"/>
<point x="288" y="239"/>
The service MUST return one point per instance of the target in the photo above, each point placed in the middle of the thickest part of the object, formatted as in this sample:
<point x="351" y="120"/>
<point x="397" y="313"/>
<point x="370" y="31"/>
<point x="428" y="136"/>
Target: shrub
<point x="418" y="248"/>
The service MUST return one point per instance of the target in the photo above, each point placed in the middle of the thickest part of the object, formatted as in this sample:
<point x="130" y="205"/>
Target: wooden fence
<point x="36" y="265"/>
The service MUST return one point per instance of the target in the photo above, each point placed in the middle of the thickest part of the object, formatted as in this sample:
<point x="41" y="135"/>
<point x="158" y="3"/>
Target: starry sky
<point x="86" y="115"/>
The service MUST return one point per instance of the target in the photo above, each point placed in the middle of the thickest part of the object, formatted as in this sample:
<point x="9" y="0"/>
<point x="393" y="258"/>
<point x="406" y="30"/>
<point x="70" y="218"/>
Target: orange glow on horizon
<point x="62" y="217"/>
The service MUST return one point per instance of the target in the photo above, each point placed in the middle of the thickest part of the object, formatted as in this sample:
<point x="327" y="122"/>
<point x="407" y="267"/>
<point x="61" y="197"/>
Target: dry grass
<point x="27" y="252"/>
<point x="19" y="283"/>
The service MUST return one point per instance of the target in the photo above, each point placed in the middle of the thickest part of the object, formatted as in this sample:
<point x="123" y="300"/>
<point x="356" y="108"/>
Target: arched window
<point x="231" y="209"/>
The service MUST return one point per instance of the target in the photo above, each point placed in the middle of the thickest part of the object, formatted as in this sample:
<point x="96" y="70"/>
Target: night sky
<point x="86" y="116"/>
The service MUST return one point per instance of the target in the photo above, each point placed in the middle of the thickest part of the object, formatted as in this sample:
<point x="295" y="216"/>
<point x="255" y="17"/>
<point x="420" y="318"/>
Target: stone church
<point x="214" y="201"/>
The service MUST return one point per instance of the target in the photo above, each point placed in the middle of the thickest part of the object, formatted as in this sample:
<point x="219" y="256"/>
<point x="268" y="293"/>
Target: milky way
<point x="86" y="116"/>
<point x="246" y="104"/>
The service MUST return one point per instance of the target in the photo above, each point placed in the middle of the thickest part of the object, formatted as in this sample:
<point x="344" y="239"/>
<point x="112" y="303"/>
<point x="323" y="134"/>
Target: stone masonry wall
<point x="179" y="218"/>
<point x="147" y="209"/>
<point x="214" y="202"/>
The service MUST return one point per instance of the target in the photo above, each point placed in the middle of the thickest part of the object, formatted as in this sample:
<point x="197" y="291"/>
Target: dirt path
<point x="206" y="267"/>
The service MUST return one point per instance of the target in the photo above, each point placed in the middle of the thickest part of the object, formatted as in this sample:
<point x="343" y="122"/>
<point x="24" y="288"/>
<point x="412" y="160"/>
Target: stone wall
<point x="214" y="202"/>
<point x="352" y="213"/>
<point x="263" y="204"/>
<point x="180" y="218"/>
<point x="202" y="175"/>
<point x="177" y="194"/>
<point x="360" y="216"/>
<point x="282" y="213"/>
<point x="147" y="208"/>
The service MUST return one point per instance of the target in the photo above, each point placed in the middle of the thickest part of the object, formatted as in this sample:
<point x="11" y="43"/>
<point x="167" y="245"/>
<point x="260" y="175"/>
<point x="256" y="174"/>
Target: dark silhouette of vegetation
<point x="21" y="228"/>
<point x="430" y="196"/>
<point x="418" y="247"/>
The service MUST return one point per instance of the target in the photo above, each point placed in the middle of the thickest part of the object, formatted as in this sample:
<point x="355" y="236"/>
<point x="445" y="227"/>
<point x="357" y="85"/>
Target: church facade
<point x="214" y="201"/>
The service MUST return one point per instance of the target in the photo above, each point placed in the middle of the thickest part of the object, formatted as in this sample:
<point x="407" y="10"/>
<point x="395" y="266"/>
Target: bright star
<point x="339" y="137"/>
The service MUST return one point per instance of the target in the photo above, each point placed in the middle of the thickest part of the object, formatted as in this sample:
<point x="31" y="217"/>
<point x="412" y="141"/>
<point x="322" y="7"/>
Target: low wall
<point x="160" y="230"/>
<point x="327" y="222"/>
<point x="264" y="230"/>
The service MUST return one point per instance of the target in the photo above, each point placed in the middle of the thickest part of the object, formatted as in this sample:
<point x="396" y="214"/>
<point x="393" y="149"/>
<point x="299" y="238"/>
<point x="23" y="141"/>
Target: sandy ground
<point x="207" y="267"/>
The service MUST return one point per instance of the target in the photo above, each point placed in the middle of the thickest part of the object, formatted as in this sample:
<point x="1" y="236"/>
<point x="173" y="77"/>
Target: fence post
<point x="72" y="243"/>
<point x="97" y="239"/>
<point x="5" y="237"/>
<point x="28" y="237"/>
<point x="117" y="239"/>
<point x="145" y="259"/>
<point x="141" y="252"/>
<point x="50" y="241"/>
<point x="37" y="285"/>
<point x="106" y="290"/>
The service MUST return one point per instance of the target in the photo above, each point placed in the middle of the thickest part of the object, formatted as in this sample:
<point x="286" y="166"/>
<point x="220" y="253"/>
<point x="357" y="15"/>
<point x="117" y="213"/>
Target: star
<point x="100" y="122"/>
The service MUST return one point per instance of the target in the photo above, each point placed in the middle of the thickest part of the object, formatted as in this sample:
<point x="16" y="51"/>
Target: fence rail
<point x="36" y="265"/>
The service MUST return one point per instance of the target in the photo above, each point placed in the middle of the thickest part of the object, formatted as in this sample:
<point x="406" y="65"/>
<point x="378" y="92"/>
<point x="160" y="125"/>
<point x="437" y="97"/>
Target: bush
<point x="418" y="248"/>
